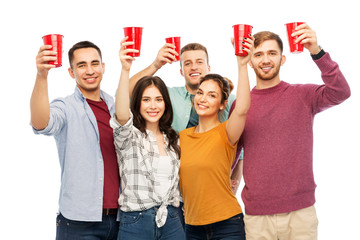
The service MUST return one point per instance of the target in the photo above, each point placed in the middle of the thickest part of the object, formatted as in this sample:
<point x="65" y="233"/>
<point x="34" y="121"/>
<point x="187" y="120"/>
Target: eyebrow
<point x="84" y="62"/>
<point x="155" y="97"/>
<point x="199" y="89"/>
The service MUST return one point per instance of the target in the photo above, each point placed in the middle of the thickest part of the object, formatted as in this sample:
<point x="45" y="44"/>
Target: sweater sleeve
<point x="335" y="90"/>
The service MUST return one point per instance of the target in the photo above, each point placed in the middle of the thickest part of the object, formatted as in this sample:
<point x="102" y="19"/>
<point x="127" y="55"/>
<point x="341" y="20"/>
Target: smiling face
<point x="266" y="61"/>
<point x="87" y="70"/>
<point x="194" y="66"/>
<point x="152" y="106"/>
<point x="208" y="98"/>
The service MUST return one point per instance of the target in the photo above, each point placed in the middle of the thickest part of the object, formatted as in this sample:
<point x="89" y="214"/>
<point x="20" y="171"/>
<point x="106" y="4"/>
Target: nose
<point x="89" y="70"/>
<point x="266" y="58"/>
<point x="202" y="98"/>
<point x="152" y="104"/>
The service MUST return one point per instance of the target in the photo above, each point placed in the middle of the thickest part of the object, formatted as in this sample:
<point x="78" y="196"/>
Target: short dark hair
<point x="165" y="120"/>
<point x="194" y="47"/>
<point x="79" y="45"/>
<point x="263" y="36"/>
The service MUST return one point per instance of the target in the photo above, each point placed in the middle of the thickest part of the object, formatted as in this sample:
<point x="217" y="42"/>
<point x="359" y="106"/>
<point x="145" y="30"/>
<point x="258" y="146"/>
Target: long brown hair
<point x="165" y="120"/>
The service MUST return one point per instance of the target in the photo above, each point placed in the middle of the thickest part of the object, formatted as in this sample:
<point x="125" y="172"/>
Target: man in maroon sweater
<point x="279" y="192"/>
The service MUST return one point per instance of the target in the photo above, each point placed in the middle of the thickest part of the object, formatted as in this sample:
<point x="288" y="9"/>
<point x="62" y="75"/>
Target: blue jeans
<point x="229" y="229"/>
<point x="67" y="229"/>
<point x="140" y="225"/>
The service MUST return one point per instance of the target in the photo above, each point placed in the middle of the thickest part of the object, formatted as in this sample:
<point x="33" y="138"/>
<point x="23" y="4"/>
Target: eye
<point x="198" y="92"/>
<point x="146" y="99"/>
<point x="159" y="99"/>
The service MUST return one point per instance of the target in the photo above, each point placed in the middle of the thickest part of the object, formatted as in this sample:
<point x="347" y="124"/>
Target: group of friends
<point x="164" y="162"/>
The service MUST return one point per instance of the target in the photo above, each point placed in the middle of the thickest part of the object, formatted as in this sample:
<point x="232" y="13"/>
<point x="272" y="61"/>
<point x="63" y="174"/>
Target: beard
<point x="267" y="76"/>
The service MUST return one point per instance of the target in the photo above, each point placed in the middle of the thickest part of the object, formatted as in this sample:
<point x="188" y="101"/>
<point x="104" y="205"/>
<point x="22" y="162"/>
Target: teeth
<point x="195" y="74"/>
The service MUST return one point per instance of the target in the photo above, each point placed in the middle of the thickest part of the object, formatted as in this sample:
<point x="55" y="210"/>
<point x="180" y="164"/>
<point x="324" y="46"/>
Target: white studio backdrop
<point x="30" y="172"/>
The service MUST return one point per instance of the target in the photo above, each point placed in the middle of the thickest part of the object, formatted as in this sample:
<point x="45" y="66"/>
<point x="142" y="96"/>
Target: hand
<point x="235" y="185"/>
<point x="125" y="59"/>
<point x="165" y="55"/>
<point x="249" y="43"/>
<point x="307" y="37"/>
<point x="43" y="57"/>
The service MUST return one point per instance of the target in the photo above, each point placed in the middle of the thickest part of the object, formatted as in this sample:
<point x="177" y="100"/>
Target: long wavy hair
<point x="165" y="120"/>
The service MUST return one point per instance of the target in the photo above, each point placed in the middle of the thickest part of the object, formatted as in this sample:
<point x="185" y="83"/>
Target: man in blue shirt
<point x="80" y="125"/>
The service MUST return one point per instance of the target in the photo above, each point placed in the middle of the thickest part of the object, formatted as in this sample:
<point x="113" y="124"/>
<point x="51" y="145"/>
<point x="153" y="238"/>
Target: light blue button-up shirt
<point x="74" y="126"/>
<point x="181" y="103"/>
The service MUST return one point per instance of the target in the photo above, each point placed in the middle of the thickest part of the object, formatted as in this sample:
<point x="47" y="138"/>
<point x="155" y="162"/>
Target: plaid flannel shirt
<point x="135" y="153"/>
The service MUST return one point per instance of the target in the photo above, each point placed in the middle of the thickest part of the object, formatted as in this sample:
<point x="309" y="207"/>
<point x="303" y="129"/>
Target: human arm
<point x="236" y="176"/>
<point x="236" y="122"/>
<point x="39" y="101"/>
<point x="336" y="88"/>
<point x="122" y="99"/>
<point x="165" y="55"/>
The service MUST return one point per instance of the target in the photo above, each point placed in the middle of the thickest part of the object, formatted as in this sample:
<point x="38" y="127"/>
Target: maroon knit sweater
<point x="278" y="141"/>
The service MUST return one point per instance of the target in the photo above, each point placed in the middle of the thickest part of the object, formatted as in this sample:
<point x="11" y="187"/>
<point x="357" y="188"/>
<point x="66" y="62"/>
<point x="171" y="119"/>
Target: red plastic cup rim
<point x="52" y="35"/>
<point x="243" y="25"/>
<point x="132" y="27"/>
<point x="299" y="23"/>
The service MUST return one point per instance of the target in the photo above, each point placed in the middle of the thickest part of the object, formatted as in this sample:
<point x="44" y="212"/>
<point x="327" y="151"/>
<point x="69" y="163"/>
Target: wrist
<point x="156" y="65"/>
<point x="317" y="54"/>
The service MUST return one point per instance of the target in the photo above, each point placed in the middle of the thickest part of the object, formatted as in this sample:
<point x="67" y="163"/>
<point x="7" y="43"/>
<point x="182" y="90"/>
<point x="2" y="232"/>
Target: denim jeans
<point x="74" y="230"/>
<point x="229" y="229"/>
<point x="141" y="225"/>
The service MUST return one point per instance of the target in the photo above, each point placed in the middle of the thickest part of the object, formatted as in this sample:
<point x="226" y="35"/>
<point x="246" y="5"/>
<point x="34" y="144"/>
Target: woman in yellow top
<point x="207" y="153"/>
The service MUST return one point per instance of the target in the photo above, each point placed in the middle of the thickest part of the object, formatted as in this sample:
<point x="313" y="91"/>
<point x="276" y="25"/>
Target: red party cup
<point x="294" y="47"/>
<point x="134" y="34"/>
<point x="176" y="42"/>
<point x="56" y="41"/>
<point x="241" y="31"/>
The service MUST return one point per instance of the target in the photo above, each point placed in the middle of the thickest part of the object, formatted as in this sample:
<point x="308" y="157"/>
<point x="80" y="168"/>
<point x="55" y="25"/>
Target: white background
<point x="30" y="172"/>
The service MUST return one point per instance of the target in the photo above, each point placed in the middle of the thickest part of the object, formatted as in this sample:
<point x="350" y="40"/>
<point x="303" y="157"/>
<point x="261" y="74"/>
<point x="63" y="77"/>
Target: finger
<point x="169" y="45"/>
<point x="306" y="35"/>
<point x="232" y="41"/>
<point x="302" y="26"/>
<point x="124" y="39"/>
<point x="45" y="47"/>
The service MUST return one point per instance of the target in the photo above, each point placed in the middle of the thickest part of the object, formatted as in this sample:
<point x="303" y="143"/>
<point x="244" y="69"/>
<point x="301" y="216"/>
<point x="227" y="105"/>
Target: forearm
<point x="122" y="100"/>
<point x="243" y="91"/>
<point x="336" y="87"/>
<point x="39" y="104"/>
<point x="238" y="171"/>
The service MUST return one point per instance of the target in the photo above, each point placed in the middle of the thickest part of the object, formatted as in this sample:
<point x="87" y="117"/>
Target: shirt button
<point x="101" y="179"/>
<point x="100" y="160"/>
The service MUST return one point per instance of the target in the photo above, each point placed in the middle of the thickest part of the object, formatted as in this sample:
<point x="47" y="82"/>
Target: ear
<point x="103" y="67"/>
<point x="283" y="59"/>
<point x="181" y="72"/>
<point x="223" y="105"/>
<point x="71" y="72"/>
<point x="209" y="68"/>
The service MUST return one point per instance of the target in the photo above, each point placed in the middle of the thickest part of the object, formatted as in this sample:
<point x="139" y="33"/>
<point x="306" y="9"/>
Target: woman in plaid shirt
<point x="148" y="156"/>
